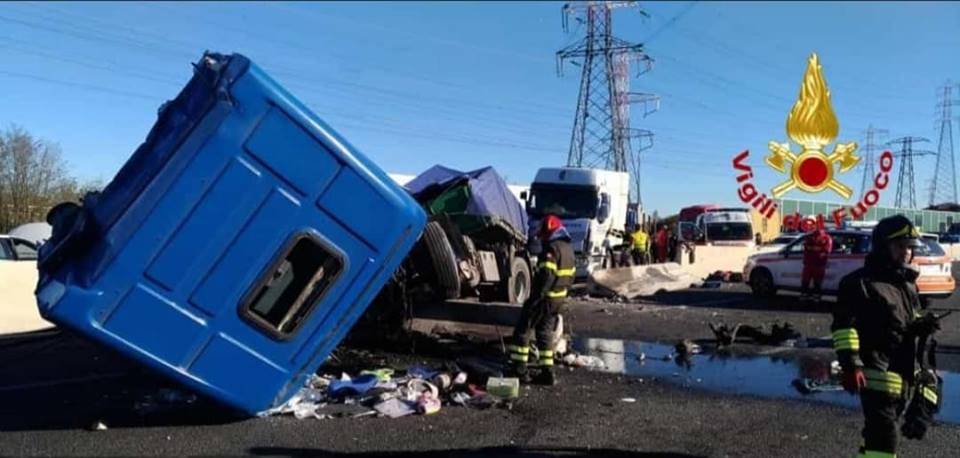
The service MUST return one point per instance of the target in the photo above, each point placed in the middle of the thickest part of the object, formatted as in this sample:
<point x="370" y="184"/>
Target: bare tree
<point x="33" y="178"/>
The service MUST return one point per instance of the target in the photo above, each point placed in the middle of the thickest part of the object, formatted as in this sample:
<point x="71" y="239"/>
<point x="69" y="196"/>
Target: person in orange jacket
<point x="816" y="251"/>
<point x="663" y="240"/>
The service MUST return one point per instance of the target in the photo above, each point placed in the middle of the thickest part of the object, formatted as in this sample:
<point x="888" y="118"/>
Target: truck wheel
<point x="518" y="287"/>
<point x="761" y="282"/>
<point x="446" y="279"/>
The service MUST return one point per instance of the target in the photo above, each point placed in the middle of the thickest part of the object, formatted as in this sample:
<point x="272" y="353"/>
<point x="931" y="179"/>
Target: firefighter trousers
<point x="539" y="317"/>
<point x="881" y="412"/>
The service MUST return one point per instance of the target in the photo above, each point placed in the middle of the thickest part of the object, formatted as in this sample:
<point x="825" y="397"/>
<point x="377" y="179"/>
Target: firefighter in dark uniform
<point x="876" y="329"/>
<point x="548" y="296"/>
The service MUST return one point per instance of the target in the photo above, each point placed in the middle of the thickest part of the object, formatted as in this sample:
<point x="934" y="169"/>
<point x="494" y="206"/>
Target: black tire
<point x="761" y="283"/>
<point x="446" y="279"/>
<point x="518" y="286"/>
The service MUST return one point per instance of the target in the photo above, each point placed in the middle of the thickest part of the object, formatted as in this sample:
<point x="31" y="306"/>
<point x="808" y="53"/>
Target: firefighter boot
<point x="546" y="376"/>
<point x="521" y="372"/>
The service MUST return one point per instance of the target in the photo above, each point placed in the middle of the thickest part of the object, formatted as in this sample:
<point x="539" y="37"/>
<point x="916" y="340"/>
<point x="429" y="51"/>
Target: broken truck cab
<point x="236" y="247"/>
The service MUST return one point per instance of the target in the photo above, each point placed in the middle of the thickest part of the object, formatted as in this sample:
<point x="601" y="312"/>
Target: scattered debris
<point x="778" y="335"/>
<point x="428" y="402"/>
<point x="420" y="390"/>
<point x="720" y="276"/>
<point x="395" y="408"/>
<point x="726" y="276"/>
<point x="504" y="387"/>
<point x="97" y="426"/>
<point x="383" y="375"/>
<point x="724" y="335"/>
<point x="686" y="347"/>
<point x="684" y="351"/>
<point x="347" y="386"/>
<point x="811" y="386"/>
<point x="588" y="361"/>
<point x="422" y="372"/>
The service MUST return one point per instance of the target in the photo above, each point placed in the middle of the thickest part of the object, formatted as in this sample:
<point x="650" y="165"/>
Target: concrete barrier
<point x="638" y="281"/>
<point x="18" y="306"/>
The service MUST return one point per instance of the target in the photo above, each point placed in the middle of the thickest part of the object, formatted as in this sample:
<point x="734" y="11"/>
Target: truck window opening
<point x="564" y="201"/>
<point x="290" y="289"/>
<point x="729" y="231"/>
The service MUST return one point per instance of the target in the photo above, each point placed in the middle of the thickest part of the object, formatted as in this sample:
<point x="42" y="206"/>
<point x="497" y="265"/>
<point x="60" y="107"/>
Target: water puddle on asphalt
<point x="767" y="376"/>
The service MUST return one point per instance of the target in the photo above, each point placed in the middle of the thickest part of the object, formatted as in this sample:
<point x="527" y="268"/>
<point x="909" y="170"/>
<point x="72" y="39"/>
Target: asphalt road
<point x="53" y="386"/>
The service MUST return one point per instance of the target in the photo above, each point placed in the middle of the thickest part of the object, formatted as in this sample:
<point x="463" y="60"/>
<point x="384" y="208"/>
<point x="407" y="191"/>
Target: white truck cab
<point x="592" y="204"/>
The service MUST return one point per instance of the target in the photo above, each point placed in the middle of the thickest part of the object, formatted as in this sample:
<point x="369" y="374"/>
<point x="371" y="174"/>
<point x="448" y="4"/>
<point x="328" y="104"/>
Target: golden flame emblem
<point x="812" y="124"/>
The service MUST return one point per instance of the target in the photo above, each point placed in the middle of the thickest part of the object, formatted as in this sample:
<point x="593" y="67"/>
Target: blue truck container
<point x="235" y="248"/>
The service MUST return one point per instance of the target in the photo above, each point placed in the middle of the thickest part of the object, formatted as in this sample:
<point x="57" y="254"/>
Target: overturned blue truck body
<point x="235" y="248"/>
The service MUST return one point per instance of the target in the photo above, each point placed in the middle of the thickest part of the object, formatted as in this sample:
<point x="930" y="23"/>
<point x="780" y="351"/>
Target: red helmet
<point x="549" y="224"/>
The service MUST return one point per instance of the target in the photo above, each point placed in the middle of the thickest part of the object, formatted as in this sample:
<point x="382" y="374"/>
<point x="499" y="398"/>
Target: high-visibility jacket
<point x="875" y="307"/>
<point x="641" y="241"/>
<point x="556" y="270"/>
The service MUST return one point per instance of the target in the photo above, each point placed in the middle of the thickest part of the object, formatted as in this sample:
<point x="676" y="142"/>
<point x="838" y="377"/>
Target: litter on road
<point x="420" y="390"/>
<point x="504" y="387"/>
<point x="588" y="361"/>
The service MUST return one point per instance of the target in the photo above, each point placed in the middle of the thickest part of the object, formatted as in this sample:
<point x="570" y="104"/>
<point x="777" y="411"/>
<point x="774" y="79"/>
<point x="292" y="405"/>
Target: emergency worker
<point x="817" y="246"/>
<point x="640" y="246"/>
<point x="662" y="243"/>
<point x="541" y="311"/>
<point x="880" y="337"/>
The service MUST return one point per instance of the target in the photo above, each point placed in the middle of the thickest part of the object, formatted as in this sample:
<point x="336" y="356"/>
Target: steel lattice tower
<point x="602" y="136"/>
<point x="906" y="181"/>
<point x="943" y="189"/>
<point x="869" y="150"/>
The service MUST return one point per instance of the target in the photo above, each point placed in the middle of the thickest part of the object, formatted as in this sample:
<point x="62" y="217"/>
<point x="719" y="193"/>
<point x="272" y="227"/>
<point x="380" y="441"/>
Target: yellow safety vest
<point x="640" y="240"/>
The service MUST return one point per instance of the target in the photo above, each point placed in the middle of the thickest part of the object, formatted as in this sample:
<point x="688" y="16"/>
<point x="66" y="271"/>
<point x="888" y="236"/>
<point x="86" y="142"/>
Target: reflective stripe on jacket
<point x="556" y="270"/>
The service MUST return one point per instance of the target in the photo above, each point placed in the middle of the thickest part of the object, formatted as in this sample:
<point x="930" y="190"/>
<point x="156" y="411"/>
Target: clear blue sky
<point x="474" y="84"/>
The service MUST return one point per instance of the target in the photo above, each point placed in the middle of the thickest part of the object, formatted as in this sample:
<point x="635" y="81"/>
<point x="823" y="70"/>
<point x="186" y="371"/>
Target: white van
<point x="726" y="227"/>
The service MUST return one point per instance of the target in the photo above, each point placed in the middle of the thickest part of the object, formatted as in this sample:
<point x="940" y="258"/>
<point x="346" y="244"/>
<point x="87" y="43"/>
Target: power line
<point x="82" y="86"/>
<point x="670" y="22"/>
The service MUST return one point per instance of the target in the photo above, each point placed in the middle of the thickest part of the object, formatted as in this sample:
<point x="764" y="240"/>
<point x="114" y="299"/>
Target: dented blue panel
<point x="236" y="247"/>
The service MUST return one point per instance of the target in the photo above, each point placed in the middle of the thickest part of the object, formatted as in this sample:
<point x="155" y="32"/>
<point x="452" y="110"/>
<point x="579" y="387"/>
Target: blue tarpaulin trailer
<point x="236" y="247"/>
<point x="475" y="241"/>
<point x="488" y="195"/>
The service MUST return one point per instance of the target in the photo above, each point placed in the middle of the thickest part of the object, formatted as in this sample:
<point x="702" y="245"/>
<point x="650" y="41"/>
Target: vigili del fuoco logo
<point x="812" y="125"/>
